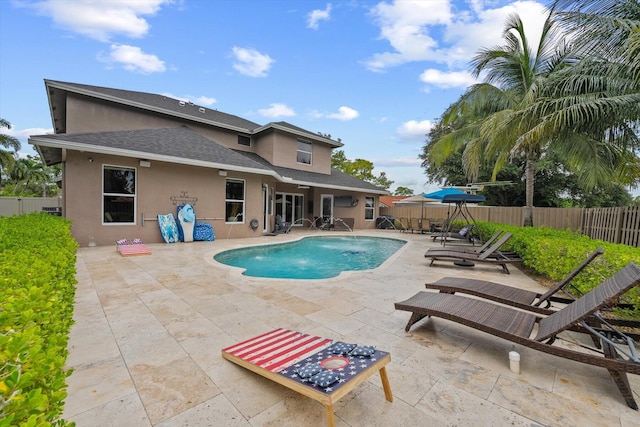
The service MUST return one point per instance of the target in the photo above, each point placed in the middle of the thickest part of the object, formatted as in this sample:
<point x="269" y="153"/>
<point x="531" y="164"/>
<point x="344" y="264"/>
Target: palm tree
<point x="594" y="106"/>
<point x="7" y="157"/>
<point x="28" y="171"/>
<point x="485" y="119"/>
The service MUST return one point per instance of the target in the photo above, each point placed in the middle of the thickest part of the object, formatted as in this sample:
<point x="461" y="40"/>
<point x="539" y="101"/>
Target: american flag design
<point x="285" y="352"/>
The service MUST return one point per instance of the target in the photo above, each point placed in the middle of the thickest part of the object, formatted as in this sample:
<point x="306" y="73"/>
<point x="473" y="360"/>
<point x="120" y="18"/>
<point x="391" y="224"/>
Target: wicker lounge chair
<point x="492" y="255"/>
<point x="465" y="249"/>
<point x="509" y="295"/>
<point x="619" y="355"/>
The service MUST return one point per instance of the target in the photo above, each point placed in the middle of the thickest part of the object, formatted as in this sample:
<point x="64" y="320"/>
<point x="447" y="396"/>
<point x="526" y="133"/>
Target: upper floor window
<point x="244" y="140"/>
<point x="118" y="195"/>
<point x="234" y="200"/>
<point x="304" y="152"/>
<point x="369" y="207"/>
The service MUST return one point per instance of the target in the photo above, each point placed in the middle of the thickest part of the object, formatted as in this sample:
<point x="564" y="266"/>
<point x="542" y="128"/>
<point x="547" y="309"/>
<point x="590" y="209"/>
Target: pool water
<point x="312" y="257"/>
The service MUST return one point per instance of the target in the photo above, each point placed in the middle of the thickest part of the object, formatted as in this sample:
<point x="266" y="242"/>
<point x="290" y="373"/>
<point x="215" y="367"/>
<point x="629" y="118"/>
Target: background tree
<point x="556" y="187"/>
<point x="360" y="168"/>
<point x="7" y="158"/>
<point x="592" y="109"/>
<point x="501" y="119"/>
<point x="403" y="191"/>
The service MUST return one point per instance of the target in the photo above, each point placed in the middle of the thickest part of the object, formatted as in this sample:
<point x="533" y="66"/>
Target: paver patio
<point x="146" y="345"/>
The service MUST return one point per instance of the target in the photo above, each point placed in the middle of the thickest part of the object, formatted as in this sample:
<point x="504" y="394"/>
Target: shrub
<point x="555" y="253"/>
<point x="37" y="262"/>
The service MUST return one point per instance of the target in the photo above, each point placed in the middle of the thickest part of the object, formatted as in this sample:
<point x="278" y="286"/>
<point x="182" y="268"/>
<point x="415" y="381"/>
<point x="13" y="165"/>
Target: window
<point x="244" y="140"/>
<point x="304" y="152"/>
<point x="234" y="200"/>
<point x="369" y="207"/>
<point x="118" y="195"/>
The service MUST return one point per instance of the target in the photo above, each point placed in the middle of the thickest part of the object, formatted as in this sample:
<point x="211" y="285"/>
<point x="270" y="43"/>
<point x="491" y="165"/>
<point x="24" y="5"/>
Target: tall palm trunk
<point x="529" y="177"/>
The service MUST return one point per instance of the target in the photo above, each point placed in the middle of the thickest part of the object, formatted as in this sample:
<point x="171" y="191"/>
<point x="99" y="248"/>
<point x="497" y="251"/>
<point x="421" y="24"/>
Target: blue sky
<point x="373" y="73"/>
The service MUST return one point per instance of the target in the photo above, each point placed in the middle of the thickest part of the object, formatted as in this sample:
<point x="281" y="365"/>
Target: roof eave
<point x="46" y="142"/>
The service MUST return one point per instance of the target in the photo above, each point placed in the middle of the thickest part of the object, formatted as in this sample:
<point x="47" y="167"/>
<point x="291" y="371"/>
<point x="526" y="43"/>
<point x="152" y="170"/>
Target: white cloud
<point x="132" y="58"/>
<point x="250" y="62"/>
<point x="204" y="100"/>
<point x="405" y="25"/>
<point x="198" y="100"/>
<point x="414" y="130"/>
<point x="446" y="80"/>
<point x="317" y="15"/>
<point x="102" y="19"/>
<point x="276" y="110"/>
<point x="413" y="29"/>
<point x="344" y="114"/>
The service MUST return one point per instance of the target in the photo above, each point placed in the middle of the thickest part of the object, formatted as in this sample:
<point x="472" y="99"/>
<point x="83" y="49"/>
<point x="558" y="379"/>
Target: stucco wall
<point x="285" y="154"/>
<point x="155" y="187"/>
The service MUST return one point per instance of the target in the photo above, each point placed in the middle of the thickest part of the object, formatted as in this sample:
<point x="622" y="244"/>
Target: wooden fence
<point x="614" y="225"/>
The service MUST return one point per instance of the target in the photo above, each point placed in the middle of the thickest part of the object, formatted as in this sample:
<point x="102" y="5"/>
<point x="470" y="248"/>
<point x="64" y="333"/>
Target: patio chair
<point x="492" y="255"/>
<point x="509" y="295"/>
<point x="465" y="249"/>
<point x="518" y="326"/>
<point x="403" y="224"/>
<point x="281" y="225"/>
<point x="416" y="225"/>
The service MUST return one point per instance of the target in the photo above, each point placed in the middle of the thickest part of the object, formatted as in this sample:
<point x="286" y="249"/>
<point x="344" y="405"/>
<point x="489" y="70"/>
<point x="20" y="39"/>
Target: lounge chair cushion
<point x="309" y="370"/>
<point x="325" y="378"/>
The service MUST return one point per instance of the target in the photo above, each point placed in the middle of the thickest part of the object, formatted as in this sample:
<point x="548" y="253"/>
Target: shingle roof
<point x="57" y="91"/>
<point x="177" y="145"/>
<point x="157" y="102"/>
<point x="337" y="179"/>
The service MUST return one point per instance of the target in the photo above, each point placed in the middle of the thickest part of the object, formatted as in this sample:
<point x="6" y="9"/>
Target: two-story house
<point x="128" y="156"/>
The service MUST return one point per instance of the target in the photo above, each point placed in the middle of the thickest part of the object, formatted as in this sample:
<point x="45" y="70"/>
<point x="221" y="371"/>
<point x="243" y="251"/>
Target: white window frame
<point x="242" y="201"/>
<point x="368" y="208"/>
<point x="134" y="196"/>
<point x="300" y="151"/>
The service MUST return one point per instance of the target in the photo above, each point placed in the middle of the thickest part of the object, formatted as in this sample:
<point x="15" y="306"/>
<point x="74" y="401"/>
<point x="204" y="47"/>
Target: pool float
<point x="187" y="220"/>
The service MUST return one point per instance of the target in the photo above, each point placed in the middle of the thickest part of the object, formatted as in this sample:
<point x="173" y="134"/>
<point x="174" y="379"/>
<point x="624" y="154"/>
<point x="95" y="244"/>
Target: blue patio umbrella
<point x="439" y="195"/>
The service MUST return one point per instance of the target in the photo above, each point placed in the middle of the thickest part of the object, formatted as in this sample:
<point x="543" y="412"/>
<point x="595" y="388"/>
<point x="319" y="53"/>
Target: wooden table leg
<point x="331" y="418"/>
<point x="385" y="384"/>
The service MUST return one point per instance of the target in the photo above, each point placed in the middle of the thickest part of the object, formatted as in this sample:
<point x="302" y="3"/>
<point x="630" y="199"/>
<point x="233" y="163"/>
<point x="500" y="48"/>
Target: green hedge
<point x="555" y="253"/>
<point x="37" y="262"/>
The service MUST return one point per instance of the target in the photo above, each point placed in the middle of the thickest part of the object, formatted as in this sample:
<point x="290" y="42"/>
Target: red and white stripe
<point x="278" y="349"/>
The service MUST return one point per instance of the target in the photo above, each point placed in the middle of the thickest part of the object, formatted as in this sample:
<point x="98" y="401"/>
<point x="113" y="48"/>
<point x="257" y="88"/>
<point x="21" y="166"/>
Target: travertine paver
<point x="145" y="348"/>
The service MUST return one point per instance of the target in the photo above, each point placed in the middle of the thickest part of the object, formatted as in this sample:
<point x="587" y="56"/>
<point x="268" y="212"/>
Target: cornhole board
<point x="132" y="248"/>
<point x="276" y="354"/>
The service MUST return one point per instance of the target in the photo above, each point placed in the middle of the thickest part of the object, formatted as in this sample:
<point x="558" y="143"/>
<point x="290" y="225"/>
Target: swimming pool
<point x="312" y="257"/>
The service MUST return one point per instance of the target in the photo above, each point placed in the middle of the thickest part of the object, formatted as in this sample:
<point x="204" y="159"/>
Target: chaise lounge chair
<point x="509" y="295"/>
<point x="465" y="249"/>
<point x="517" y="326"/>
<point x="491" y="255"/>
